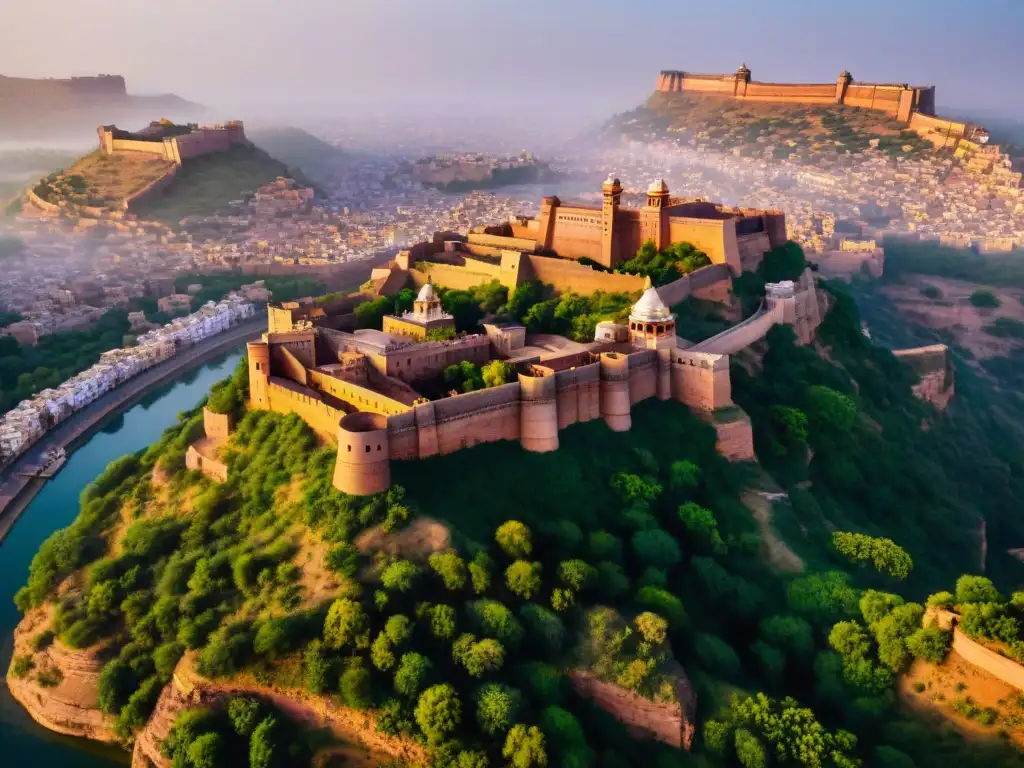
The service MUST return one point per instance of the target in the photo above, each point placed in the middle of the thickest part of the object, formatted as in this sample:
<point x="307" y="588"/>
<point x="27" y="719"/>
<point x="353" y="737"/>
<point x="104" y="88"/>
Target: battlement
<point x="174" y="143"/>
<point x="897" y="99"/>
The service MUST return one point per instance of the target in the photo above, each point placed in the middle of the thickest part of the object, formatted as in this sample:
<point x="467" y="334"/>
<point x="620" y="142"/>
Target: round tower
<point x="258" y="353"/>
<point x="539" y="410"/>
<point x="657" y="194"/>
<point x="363" y="466"/>
<point x="615" y="391"/>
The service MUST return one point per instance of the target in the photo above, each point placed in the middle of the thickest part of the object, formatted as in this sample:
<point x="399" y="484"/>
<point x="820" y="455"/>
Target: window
<point x="367" y="449"/>
<point x="350" y="449"/>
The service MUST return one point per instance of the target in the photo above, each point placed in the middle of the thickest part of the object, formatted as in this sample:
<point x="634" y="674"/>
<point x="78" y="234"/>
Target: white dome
<point x="658" y="187"/>
<point x="650" y="308"/>
<point x="426" y="293"/>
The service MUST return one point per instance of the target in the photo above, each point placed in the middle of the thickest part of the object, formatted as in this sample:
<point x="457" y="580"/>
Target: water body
<point x="22" y="741"/>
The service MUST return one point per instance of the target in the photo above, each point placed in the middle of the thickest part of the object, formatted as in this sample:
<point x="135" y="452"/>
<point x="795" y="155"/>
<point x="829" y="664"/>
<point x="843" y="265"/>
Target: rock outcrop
<point x="935" y="367"/>
<point x="70" y="707"/>
<point x="188" y="690"/>
<point x="672" y="722"/>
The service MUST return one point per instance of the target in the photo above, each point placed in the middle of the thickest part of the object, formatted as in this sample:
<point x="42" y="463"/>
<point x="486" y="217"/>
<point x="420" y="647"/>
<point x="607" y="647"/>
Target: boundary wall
<point x="973" y="652"/>
<point x="796" y="304"/>
<point x="899" y="100"/>
<point x="204" y="140"/>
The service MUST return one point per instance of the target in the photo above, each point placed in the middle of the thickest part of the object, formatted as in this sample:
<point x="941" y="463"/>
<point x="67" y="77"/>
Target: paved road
<point x="17" y="490"/>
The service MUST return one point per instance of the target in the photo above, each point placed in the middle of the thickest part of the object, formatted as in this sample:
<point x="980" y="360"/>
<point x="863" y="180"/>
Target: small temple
<point x="426" y="316"/>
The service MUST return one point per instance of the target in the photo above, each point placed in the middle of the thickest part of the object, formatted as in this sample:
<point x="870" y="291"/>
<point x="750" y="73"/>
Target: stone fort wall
<point x="176" y="149"/>
<point x="898" y="100"/>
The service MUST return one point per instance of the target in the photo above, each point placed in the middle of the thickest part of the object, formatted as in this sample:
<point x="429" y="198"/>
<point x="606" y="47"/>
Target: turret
<point x="615" y="407"/>
<point x="363" y="466"/>
<point x="539" y="410"/>
<point x="259" y="374"/>
<point x="611" y="194"/>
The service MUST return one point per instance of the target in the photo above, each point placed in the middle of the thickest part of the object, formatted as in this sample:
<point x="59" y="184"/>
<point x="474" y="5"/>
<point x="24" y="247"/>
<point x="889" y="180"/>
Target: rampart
<point x="795" y="304"/>
<point x="200" y="141"/>
<point x="973" y="652"/>
<point x="899" y="100"/>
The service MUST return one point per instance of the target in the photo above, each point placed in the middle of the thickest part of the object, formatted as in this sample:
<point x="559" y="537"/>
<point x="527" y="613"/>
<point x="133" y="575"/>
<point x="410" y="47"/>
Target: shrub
<point x="346" y="625"/>
<point x="245" y="714"/>
<point x="930" y="644"/>
<point x="976" y="589"/>
<point x="21" y="666"/>
<point x="355" y="686"/>
<point x="983" y="299"/>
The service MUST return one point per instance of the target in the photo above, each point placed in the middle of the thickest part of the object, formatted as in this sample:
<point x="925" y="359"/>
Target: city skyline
<point x="573" y="60"/>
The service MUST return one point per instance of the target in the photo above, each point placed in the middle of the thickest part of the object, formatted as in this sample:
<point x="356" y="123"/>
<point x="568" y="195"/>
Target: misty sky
<point x="567" y="57"/>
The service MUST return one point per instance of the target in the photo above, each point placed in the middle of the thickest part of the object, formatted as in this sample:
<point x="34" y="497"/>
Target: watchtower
<point x="611" y="195"/>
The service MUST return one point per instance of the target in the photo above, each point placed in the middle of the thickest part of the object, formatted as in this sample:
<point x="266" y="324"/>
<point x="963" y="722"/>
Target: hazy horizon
<point x="568" y="61"/>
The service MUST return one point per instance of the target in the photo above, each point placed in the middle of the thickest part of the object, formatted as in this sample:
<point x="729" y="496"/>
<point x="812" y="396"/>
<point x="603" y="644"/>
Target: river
<point x="22" y="741"/>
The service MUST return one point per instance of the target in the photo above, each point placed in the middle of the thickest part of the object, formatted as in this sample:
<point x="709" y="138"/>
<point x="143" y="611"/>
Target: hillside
<point x="475" y="606"/>
<point x="207" y="184"/>
<point x="317" y="159"/>
<point x="202" y="185"/>
<point x="804" y="133"/>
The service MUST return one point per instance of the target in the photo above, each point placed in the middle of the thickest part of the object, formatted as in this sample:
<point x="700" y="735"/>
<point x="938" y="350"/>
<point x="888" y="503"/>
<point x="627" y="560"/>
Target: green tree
<point x="382" y="653"/>
<point x="576" y="574"/>
<point x="884" y="554"/>
<point x="524" y="747"/>
<point x="749" y="750"/>
<point x="850" y="640"/>
<point x="791" y="633"/>
<point x="206" y="751"/>
<point x="930" y="644"/>
<point x="264" y="750"/>
<point x="451" y="568"/>
<point x="412" y="674"/>
<point x="438" y="712"/>
<point x="514" y="539"/>
<point x="346" y="625"/>
<point x="976" y="589"/>
<point x="633" y="488"/>
<point x="523" y="579"/>
<point x="684" y="476"/>
<point x="496" y="708"/>
<point x="399" y="576"/>
<point x="702" y="525"/>
<point x="497" y="372"/>
<point x="824" y="597"/>
<point x="442" y="622"/>
<point x="543" y="627"/>
<point x="480" y="570"/>
<point x="984" y="299"/>
<point x="830" y="411"/>
<point x="245" y="715"/>
<point x="656" y="549"/>
<point x="355" y="686"/>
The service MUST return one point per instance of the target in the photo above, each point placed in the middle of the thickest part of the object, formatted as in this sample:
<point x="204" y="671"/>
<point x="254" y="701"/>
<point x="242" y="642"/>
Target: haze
<point x="570" y="59"/>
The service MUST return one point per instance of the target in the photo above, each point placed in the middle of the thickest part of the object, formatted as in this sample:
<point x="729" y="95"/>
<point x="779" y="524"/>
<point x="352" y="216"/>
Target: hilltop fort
<point x="912" y="105"/>
<point x="170" y="142"/>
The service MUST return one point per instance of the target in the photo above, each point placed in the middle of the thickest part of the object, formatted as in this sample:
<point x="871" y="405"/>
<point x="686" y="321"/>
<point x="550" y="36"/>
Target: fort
<point x="170" y="142"/>
<point x="375" y="394"/>
<point x="912" y="105"/>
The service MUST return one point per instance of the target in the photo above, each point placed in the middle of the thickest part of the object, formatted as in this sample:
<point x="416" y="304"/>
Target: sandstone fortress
<point x="169" y="142"/>
<point x="612" y="233"/>
<point x="913" y="105"/>
<point x="83" y="88"/>
<point x="367" y="390"/>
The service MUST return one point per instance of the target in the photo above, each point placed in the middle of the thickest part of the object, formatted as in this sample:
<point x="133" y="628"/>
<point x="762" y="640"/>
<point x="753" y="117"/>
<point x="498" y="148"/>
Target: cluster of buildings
<point x="30" y="419"/>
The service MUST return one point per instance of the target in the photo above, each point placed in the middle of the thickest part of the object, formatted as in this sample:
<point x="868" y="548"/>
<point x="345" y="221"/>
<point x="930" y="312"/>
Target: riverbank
<point x="22" y="740"/>
<point x="17" y="490"/>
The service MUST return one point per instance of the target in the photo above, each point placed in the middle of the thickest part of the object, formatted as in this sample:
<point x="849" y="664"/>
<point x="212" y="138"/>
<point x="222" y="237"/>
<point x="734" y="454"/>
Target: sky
<point x="563" y="58"/>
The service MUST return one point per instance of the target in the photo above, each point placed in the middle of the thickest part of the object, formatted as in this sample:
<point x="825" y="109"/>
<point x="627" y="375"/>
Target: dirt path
<point x="774" y="551"/>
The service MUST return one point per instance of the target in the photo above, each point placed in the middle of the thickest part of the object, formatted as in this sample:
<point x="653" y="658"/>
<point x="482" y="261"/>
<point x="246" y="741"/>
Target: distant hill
<point x="314" y="157"/>
<point x="34" y="110"/>
<point x="764" y="129"/>
<point x="203" y="185"/>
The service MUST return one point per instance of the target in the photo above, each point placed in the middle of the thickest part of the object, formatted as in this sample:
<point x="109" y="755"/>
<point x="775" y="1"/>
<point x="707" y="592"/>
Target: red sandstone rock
<point x="673" y="722"/>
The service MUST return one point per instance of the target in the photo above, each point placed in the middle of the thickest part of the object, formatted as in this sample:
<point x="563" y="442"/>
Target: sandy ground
<point x="954" y="310"/>
<point x="953" y="679"/>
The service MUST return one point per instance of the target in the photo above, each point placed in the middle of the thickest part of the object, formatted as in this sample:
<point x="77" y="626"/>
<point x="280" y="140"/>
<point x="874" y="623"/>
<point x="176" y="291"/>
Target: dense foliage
<point x="621" y="554"/>
<point x="664" y="266"/>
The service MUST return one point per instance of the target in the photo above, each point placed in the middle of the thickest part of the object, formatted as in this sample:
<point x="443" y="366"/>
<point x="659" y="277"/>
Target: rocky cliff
<point x="672" y="722"/>
<point x="69" y="707"/>
<point x="188" y="690"/>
